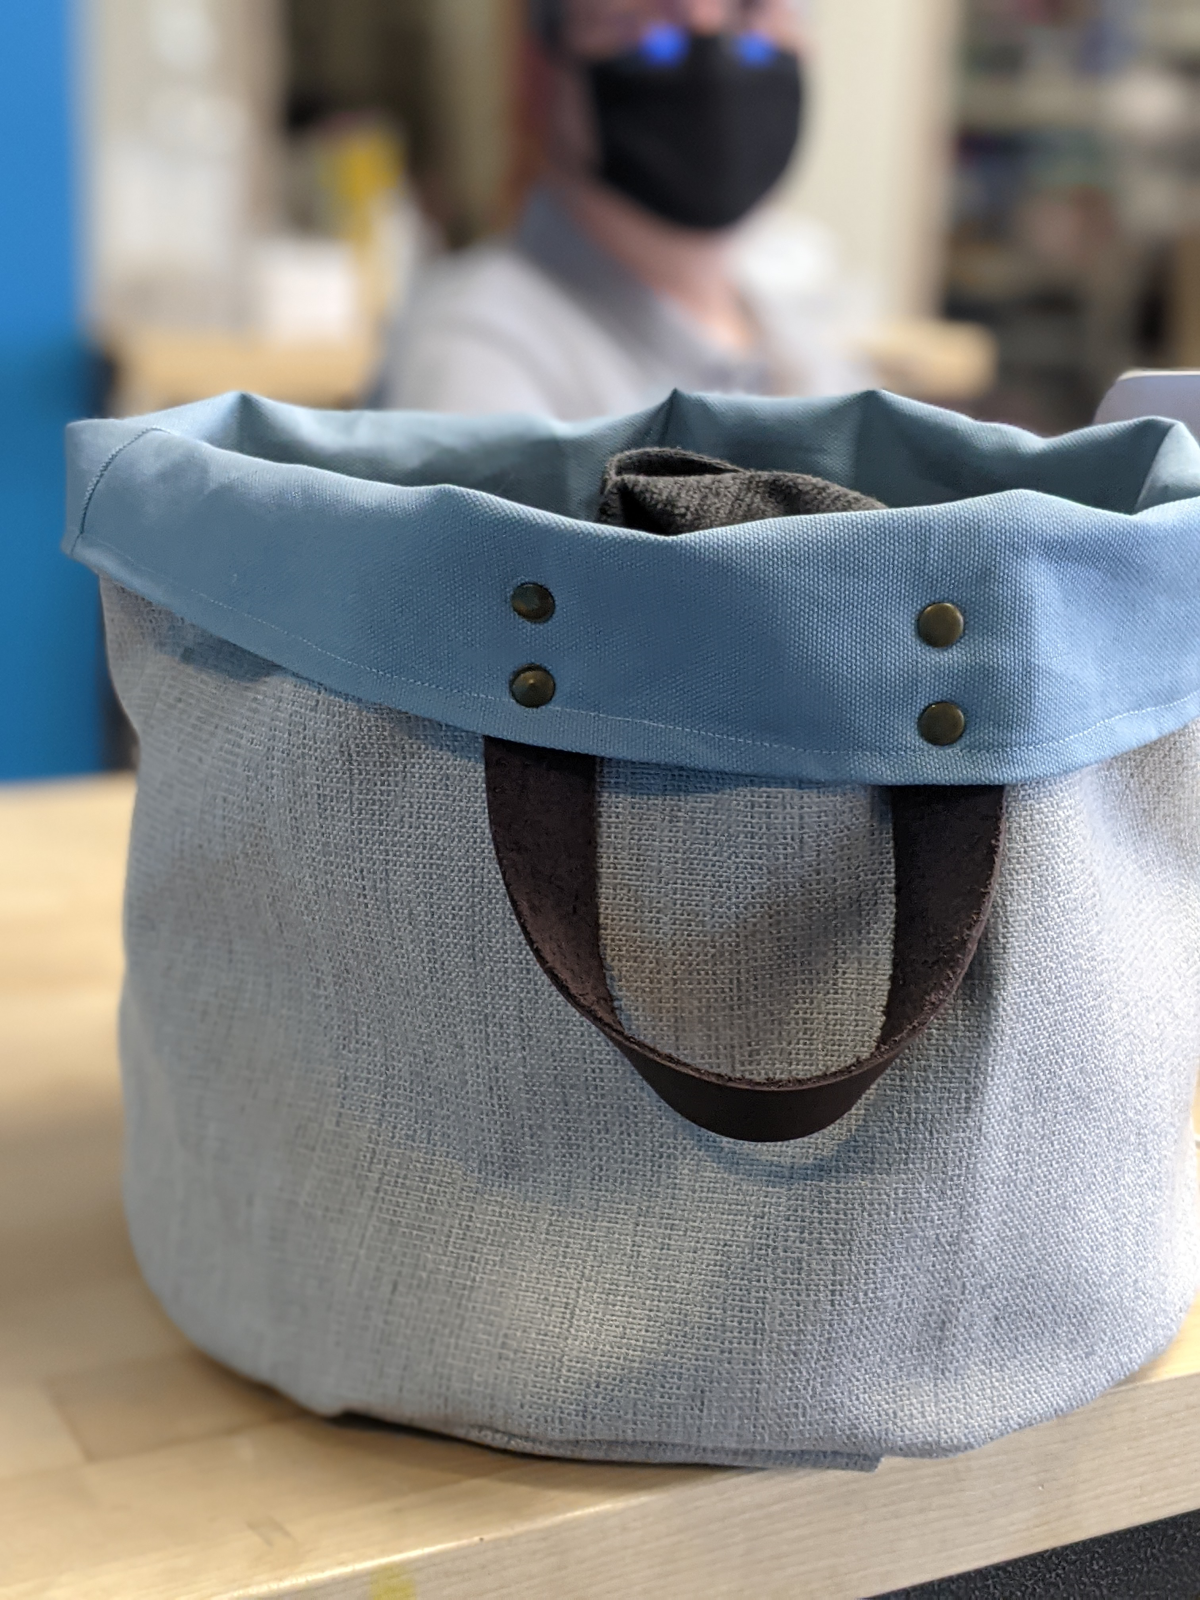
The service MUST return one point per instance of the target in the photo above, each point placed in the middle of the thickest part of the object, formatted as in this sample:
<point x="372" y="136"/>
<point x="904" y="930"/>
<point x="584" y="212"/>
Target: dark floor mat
<point x="1160" y="1561"/>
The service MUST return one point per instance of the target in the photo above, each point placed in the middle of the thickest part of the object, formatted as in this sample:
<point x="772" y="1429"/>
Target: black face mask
<point x="698" y="140"/>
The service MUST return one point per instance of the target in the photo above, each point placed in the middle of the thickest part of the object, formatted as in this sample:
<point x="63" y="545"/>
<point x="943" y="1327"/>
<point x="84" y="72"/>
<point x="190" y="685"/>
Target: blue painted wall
<point x="51" y="684"/>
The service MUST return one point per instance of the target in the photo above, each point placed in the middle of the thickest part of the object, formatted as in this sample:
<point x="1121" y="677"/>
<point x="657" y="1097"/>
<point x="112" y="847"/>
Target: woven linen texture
<point x="746" y="928"/>
<point x="374" y="1160"/>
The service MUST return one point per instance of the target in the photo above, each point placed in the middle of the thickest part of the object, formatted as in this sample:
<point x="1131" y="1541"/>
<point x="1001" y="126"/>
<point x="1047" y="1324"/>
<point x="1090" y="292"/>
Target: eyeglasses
<point x="659" y="30"/>
<point x="665" y="44"/>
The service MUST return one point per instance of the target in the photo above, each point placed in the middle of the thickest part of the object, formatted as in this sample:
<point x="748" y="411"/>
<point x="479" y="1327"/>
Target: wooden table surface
<point x="131" y="1466"/>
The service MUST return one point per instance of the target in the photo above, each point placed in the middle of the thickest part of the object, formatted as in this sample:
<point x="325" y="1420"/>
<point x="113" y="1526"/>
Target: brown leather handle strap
<point x="946" y="844"/>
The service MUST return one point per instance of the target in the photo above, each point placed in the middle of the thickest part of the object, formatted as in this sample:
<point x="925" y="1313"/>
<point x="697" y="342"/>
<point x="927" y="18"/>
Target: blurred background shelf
<point x="161" y="367"/>
<point x="1077" y="196"/>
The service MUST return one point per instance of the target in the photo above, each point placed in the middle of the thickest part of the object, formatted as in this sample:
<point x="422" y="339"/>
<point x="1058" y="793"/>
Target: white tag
<point x="1143" y="393"/>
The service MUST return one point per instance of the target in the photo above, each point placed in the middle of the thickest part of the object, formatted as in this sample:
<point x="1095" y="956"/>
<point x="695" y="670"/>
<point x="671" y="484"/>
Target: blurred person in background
<point x="668" y="122"/>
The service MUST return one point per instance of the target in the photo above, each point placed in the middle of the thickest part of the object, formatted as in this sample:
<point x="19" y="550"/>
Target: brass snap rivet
<point x="533" y="601"/>
<point x="532" y="687"/>
<point x="941" y="625"/>
<point x="942" y="723"/>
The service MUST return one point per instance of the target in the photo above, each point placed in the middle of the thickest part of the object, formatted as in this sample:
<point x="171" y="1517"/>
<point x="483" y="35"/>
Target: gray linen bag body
<point x="378" y="1159"/>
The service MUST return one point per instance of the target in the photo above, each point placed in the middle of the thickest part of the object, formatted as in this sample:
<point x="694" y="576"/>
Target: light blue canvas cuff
<point x="375" y="553"/>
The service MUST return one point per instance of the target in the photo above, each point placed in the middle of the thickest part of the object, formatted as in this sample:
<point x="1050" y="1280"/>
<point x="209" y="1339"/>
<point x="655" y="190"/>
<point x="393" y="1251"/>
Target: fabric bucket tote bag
<point x="682" y="955"/>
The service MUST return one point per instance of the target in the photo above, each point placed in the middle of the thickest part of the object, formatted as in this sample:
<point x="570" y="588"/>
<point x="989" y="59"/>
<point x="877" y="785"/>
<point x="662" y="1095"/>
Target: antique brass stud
<point x="942" y="723"/>
<point x="532" y="687"/>
<point x="533" y="601"/>
<point x="941" y="625"/>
